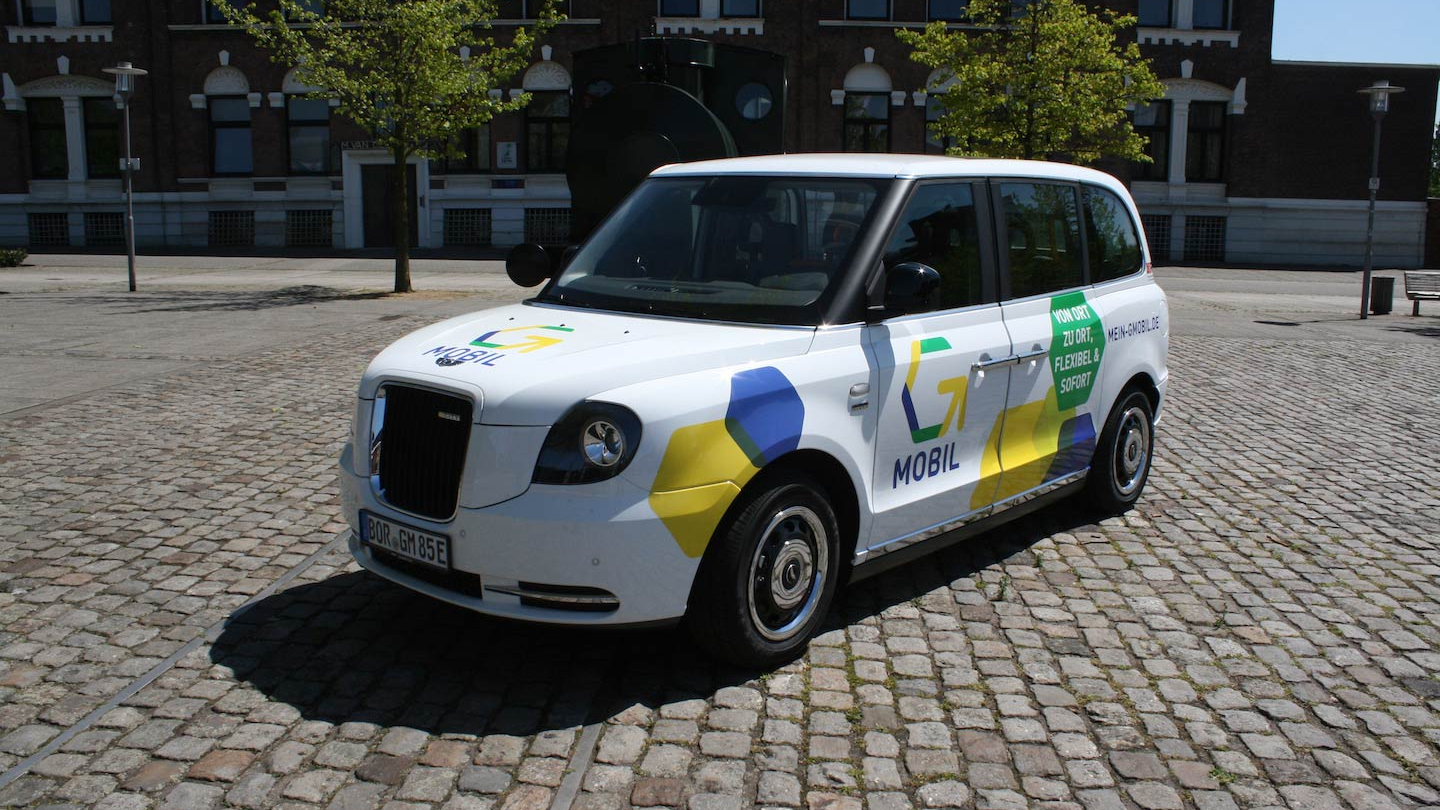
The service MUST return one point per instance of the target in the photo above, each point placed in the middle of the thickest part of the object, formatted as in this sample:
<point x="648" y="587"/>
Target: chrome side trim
<point x="607" y="600"/>
<point x="1044" y="489"/>
<point x="922" y="535"/>
<point x="905" y="541"/>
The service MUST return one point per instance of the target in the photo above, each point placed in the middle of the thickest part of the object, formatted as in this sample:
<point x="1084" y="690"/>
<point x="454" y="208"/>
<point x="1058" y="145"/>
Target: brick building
<point x="1258" y="161"/>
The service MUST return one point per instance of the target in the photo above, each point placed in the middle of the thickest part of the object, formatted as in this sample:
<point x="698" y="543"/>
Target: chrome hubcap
<point x="1132" y="450"/>
<point x="787" y="573"/>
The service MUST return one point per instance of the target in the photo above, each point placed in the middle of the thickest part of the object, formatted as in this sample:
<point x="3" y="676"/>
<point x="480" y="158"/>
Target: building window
<point x="105" y="228"/>
<point x="679" y="8"/>
<point x="529" y="7"/>
<point x="48" y="156"/>
<point x="309" y="227"/>
<point x="949" y="10"/>
<point x="547" y="226"/>
<point x="1155" y="13"/>
<point x="1153" y="122"/>
<point x="38" y="12"/>
<point x="102" y="138"/>
<point x="547" y="130"/>
<point x="230" y="143"/>
<point x="867" y="122"/>
<point x="232" y="229"/>
<point x="467" y="226"/>
<point x="1211" y="14"/>
<point x="213" y="15"/>
<point x="1157" y="235"/>
<point x="309" y="123"/>
<point x="935" y="144"/>
<point x="49" y="230"/>
<point x="316" y="7"/>
<point x="95" y="12"/>
<point x="469" y="151"/>
<point x="1204" y="239"/>
<point x="867" y="9"/>
<point x="740" y="8"/>
<point x="1205" y="142"/>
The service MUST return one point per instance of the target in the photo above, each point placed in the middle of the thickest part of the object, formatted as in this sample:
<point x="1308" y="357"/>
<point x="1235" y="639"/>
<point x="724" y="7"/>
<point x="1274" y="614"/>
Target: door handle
<point x="1030" y="355"/>
<point x="859" y="397"/>
<point x="1002" y="362"/>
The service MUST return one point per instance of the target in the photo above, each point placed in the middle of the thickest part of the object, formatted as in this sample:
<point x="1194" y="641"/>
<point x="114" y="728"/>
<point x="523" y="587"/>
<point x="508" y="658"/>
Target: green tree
<point x="1043" y="79"/>
<point x="398" y="69"/>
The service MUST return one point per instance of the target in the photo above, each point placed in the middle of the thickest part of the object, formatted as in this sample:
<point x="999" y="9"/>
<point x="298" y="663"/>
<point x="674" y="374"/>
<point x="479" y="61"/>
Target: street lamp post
<point x="1379" y="93"/>
<point x="125" y="88"/>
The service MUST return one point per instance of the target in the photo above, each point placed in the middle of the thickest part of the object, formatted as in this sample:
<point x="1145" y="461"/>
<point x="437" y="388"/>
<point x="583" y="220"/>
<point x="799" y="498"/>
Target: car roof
<point x="884" y="165"/>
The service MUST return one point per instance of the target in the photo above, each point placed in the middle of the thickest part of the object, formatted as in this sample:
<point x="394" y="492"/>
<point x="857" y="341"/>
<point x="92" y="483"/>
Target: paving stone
<point x="657" y="792"/>
<point x="192" y="796"/>
<point x="221" y="766"/>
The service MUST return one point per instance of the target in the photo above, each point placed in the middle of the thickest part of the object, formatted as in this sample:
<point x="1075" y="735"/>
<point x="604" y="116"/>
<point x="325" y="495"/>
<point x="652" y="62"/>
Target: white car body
<point x="920" y="424"/>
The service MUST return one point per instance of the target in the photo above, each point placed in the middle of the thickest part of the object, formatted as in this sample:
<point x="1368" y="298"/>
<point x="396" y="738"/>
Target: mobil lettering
<point x="464" y="354"/>
<point x="924" y="464"/>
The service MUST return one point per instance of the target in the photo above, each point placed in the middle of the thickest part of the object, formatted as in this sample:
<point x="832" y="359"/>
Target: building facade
<point x="1256" y="161"/>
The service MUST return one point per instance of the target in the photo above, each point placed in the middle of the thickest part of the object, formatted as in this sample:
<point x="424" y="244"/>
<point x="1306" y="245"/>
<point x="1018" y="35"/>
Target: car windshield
<point x="731" y="248"/>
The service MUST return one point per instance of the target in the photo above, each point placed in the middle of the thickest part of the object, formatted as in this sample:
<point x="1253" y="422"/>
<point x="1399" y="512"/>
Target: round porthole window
<point x="753" y="100"/>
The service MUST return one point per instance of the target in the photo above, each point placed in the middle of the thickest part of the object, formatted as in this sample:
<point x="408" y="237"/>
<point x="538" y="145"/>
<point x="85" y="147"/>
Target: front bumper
<point x="599" y="536"/>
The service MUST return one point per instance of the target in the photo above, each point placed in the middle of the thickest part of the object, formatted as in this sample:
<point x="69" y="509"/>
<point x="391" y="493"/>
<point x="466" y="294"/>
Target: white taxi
<point x="758" y="380"/>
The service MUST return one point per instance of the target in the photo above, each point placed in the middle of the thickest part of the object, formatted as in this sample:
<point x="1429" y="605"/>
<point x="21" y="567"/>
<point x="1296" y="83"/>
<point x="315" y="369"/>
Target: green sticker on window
<point x="1079" y="342"/>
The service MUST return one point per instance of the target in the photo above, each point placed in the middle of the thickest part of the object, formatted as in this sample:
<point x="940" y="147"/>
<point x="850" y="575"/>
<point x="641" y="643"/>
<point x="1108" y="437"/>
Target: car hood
<point x="528" y="364"/>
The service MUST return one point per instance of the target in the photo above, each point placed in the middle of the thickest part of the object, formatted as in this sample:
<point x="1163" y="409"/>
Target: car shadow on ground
<point x="217" y="300"/>
<point x="356" y="648"/>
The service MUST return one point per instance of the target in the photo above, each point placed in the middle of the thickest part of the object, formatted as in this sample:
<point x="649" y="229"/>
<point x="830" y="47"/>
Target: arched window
<point x="227" y="96"/>
<point x="307" y="126"/>
<point x="867" y="108"/>
<point x="547" y="118"/>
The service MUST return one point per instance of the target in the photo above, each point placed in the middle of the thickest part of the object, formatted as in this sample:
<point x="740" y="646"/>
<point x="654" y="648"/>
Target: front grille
<point x="421" y="451"/>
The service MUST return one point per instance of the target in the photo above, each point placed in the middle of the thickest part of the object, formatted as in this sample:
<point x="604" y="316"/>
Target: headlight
<point x="591" y="442"/>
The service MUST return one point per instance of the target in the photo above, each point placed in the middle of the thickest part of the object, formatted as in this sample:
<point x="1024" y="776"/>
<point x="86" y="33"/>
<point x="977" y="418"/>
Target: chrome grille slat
<point x="422" y="453"/>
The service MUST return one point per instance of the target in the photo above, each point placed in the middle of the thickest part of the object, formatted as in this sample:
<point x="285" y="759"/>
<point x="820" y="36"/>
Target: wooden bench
<point x="1420" y="286"/>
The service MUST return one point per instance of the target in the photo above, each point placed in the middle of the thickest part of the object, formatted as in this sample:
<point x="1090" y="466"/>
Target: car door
<point x="935" y="458"/>
<point x="1050" y="424"/>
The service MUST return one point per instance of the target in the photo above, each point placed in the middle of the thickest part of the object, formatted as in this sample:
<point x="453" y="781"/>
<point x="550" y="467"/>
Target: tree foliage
<point x="1039" y="79"/>
<point x="397" y="69"/>
<point x="1435" y="164"/>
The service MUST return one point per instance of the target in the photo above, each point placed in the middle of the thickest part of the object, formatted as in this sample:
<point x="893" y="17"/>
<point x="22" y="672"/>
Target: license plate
<point x="406" y="541"/>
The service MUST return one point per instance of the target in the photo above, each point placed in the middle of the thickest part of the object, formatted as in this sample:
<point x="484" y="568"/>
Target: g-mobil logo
<point x="936" y="460"/>
<point x="492" y="348"/>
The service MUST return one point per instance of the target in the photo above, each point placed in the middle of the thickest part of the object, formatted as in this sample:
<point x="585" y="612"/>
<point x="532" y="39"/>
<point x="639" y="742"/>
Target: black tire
<point x="1121" y="465"/>
<point x="768" y="579"/>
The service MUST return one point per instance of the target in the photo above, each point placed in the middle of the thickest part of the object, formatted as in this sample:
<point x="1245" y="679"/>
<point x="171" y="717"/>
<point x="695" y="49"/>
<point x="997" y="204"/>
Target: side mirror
<point x="909" y="287"/>
<point x="528" y="264"/>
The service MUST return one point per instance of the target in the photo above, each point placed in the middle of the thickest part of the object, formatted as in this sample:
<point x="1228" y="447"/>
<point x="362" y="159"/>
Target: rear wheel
<point x="766" y="585"/>
<point x="1122" y="457"/>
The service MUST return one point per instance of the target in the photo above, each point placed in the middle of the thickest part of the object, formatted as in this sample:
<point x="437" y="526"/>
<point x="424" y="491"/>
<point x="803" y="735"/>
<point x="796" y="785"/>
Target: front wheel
<point x="1122" y="457"/>
<point x="767" y="584"/>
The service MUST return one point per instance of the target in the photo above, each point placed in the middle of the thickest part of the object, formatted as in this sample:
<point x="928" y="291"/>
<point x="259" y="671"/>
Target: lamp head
<point x="124" y="78"/>
<point x="1380" y="93"/>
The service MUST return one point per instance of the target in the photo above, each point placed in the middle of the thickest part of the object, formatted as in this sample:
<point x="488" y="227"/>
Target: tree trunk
<point x="401" y="189"/>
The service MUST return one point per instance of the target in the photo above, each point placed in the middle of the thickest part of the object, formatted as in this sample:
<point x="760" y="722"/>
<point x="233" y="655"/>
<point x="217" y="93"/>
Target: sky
<point x="1385" y="31"/>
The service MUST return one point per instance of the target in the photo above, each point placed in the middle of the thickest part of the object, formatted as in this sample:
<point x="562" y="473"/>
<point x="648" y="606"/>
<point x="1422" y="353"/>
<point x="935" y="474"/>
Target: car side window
<point x="1110" y="235"/>
<point x="940" y="228"/>
<point x="1041" y="237"/>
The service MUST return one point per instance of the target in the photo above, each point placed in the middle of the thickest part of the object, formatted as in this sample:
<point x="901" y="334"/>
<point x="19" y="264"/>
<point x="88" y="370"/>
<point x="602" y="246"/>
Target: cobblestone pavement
<point x="1262" y="631"/>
